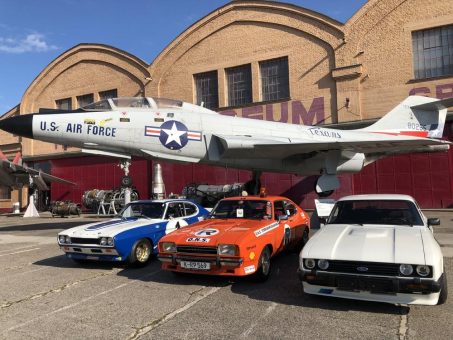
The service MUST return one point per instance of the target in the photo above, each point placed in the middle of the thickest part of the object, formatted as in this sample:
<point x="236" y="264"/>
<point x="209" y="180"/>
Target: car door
<point x="191" y="213"/>
<point x="296" y="229"/>
<point x="284" y="235"/>
<point x="175" y="215"/>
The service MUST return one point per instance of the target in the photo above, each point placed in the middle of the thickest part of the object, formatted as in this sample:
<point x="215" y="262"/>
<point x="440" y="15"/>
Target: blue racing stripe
<point x="111" y="223"/>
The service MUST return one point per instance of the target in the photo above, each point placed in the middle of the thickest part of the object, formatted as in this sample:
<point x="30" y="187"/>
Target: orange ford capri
<point x="239" y="237"/>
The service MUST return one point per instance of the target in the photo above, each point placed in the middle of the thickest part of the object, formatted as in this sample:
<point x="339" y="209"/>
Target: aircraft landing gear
<point x="253" y="186"/>
<point x="126" y="180"/>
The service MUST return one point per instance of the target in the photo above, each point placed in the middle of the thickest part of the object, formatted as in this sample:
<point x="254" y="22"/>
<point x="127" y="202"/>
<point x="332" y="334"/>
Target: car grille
<point x="365" y="268"/>
<point x="196" y="250"/>
<point x="79" y="240"/>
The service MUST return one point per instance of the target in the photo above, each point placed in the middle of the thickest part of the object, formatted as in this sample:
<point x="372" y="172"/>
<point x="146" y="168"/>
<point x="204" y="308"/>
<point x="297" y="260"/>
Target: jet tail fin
<point x="416" y="116"/>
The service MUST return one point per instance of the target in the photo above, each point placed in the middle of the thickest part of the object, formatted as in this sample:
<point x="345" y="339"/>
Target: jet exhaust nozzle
<point x="158" y="186"/>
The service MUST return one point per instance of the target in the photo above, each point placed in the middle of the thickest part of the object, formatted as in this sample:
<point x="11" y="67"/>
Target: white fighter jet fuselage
<point x="178" y="131"/>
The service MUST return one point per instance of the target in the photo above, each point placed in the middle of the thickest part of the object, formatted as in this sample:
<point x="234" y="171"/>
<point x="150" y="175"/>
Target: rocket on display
<point x="173" y="130"/>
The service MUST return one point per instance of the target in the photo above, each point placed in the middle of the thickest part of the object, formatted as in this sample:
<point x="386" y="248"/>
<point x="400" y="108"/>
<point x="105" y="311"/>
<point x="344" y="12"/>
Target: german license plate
<point x="195" y="265"/>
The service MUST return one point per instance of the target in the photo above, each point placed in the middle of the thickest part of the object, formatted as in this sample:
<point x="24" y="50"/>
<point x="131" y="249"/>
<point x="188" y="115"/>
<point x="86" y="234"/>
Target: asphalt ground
<point x="44" y="295"/>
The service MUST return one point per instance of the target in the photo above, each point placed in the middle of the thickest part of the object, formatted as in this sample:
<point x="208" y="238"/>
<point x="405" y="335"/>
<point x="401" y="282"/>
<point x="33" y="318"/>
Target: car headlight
<point x="67" y="239"/>
<point x="62" y="239"/>
<point x="406" y="269"/>
<point x="423" y="270"/>
<point x="309" y="263"/>
<point x="110" y="241"/>
<point x="227" y="249"/>
<point x="103" y="241"/>
<point x="323" y="264"/>
<point x="168" y="247"/>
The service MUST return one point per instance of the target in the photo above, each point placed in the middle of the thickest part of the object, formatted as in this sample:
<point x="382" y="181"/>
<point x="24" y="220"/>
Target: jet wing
<point x="224" y="147"/>
<point x="15" y="175"/>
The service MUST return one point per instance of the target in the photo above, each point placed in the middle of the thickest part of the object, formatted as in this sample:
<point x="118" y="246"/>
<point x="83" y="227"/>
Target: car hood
<point x="390" y="244"/>
<point x="110" y="228"/>
<point x="215" y="231"/>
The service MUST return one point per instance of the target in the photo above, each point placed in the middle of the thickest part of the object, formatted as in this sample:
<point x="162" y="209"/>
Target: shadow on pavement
<point x="62" y="261"/>
<point x="283" y="287"/>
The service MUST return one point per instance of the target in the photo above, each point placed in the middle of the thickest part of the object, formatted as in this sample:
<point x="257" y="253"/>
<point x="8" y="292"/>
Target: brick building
<point x="262" y="60"/>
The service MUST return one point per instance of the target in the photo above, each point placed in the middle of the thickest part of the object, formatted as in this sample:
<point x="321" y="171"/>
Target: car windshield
<point x="246" y="209"/>
<point x="144" y="209"/>
<point x="394" y="212"/>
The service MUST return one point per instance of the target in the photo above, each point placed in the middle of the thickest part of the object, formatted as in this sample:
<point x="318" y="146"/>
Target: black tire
<point x="264" y="266"/>
<point x="141" y="253"/>
<point x="443" y="290"/>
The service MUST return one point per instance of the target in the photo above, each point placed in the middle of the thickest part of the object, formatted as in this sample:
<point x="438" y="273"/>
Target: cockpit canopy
<point x="133" y="102"/>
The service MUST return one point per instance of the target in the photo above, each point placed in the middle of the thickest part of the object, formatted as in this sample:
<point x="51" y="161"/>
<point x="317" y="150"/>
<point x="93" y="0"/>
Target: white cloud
<point x="34" y="42"/>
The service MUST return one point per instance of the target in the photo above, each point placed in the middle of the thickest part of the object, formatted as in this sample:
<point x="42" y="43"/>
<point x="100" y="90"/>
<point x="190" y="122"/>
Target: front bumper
<point x="401" y="290"/>
<point x="219" y="265"/>
<point x="91" y="252"/>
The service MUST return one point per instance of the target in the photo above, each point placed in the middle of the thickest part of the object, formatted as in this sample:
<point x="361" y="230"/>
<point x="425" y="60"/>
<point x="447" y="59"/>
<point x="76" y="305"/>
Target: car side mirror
<point x="434" y="221"/>
<point x="282" y="217"/>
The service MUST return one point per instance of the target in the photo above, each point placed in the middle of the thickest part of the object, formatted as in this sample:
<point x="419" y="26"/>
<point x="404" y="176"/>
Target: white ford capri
<point x="375" y="248"/>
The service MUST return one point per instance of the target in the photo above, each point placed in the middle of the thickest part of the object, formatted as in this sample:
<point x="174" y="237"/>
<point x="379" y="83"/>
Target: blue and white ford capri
<point x="131" y="237"/>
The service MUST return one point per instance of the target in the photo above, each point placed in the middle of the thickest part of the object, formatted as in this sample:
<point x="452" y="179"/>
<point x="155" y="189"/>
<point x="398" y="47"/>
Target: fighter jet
<point x="15" y="175"/>
<point x="173" y="130"/>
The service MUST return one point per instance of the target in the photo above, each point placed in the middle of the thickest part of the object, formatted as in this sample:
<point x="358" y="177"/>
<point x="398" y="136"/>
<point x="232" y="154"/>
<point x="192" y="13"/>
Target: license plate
<point x="195" y="265"/>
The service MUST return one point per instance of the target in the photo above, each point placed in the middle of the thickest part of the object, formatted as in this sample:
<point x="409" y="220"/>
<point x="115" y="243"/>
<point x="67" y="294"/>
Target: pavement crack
<point x="404" y="322"/>
<point x="202" y="293"/>
<point x="269" y="310"/>
<point x="53" y="290"/>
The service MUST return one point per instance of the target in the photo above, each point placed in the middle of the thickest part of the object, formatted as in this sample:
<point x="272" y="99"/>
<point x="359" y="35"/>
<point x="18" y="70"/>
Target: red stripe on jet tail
<point x="423" y="134"/>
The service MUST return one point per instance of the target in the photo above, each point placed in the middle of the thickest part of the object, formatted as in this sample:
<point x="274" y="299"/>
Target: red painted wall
<point x="95" y="173"/>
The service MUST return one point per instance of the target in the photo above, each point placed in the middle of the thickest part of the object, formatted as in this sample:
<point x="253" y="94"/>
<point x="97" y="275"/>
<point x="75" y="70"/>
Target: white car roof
<point x="377" y="197"/>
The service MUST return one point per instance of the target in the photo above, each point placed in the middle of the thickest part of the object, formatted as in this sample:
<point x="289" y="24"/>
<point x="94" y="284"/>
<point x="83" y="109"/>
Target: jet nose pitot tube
<point x="19" y="125"/>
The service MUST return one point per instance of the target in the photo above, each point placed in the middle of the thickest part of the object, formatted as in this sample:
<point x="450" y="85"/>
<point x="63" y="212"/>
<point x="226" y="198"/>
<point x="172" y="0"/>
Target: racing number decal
<point x="175" y="224"/>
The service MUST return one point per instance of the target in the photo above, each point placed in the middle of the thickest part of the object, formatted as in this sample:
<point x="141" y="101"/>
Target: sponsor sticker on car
<point x="266" y="229"/>
<point x="249" y="269"/>
<point x="198" y="239"/>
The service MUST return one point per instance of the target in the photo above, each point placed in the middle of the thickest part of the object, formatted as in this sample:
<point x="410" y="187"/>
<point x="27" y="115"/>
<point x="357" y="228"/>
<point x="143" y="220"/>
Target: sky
<point x="35" y="32"/>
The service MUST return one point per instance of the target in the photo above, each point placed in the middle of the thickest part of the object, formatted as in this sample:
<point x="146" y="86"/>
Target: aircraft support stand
<point x="31" y="209"/>
<point x="126" y="181"/>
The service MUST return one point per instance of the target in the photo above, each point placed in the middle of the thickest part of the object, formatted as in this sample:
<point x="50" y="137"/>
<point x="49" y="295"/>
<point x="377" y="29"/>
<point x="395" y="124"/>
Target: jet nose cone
<point x="18" y="125"/>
